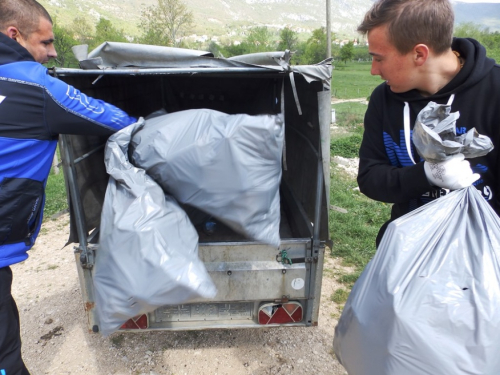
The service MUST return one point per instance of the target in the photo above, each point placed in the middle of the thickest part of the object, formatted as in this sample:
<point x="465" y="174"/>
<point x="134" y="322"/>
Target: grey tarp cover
<point x="148" y="249"/>
<point x="228" y="166"/>
<point x="435" y="138"/>
<point x="429" y="301"/>
<point x="113" y="55"/>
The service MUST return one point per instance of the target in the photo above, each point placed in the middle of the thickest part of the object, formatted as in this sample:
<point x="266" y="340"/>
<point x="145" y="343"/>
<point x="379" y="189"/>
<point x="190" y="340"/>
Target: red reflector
<point x="280" y="313"/>
<point x="263" y="318"/>
<point x="138" y="322"/>
<point x="290" y="307"/>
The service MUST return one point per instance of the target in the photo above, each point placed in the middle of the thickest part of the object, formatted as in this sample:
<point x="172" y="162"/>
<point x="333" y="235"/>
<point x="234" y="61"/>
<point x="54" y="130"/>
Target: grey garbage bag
<point x="435" y="136"/>
<point x="228" y="166"/>
<point x="148" y="248"/>
<point x="429" y="301"/>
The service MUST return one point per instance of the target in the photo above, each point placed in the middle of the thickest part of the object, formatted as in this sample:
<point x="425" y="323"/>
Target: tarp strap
<point x="295" y="94"/>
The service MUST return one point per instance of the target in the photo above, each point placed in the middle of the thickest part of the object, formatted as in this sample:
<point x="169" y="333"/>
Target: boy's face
<point x="393" y="67"/>
<point x="40" y="43"/>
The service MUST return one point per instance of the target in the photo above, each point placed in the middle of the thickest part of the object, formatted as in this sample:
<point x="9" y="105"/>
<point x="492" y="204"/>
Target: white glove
<point x="454" y="173"/>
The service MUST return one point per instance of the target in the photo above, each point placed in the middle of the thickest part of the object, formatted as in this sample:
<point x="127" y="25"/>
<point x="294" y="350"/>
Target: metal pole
<point x="328" y="31"/>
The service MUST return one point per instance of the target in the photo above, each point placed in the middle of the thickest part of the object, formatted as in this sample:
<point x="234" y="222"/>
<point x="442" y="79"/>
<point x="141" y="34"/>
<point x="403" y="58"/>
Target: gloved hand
<point x="454" y="173"/>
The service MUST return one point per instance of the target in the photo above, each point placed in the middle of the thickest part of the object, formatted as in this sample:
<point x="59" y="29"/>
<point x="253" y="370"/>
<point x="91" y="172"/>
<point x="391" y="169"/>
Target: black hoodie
<point x="387" y="174"/>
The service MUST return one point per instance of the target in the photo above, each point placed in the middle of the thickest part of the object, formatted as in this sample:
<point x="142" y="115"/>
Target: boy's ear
<point x="421" y="53"/>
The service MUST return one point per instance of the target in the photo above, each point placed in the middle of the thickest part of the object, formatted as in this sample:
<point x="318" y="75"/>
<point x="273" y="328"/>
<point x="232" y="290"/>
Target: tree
<point x="106" y="32"/>
<point x="82" y="30"/>
<point x="63" y="42"/>
<point x="233" y="49"/>
<point x="361" y="53"/>
<point x="315" y="49"/>
<point x="288" y="40"/>
<point x="490" y="40"/>
<point x="468" y="30"/>
<point x="347" y="52"/>
<point x="335" y="51"/>
<point x="164" y="23"/>
<point x="260" y="39"/>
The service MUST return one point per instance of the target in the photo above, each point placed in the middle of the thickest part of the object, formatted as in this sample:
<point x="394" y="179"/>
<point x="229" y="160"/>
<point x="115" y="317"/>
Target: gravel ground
<point x="56" y="339"/>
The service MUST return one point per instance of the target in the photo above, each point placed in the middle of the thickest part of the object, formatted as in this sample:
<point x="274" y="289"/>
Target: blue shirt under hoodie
<point x="34" y="109"/>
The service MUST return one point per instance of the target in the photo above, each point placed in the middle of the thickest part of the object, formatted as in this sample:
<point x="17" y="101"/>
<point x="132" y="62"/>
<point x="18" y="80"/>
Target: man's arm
<point x="70" y="111"/>
<point x="66" y="109"/>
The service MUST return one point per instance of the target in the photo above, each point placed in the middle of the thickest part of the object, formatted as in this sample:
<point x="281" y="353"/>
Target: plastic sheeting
<point x="228" y="166"/>
<point x="148" y="249"/>
<point x="435" y="138"/>
<point x="429" y="301"/>
<point x="125" y="55"/>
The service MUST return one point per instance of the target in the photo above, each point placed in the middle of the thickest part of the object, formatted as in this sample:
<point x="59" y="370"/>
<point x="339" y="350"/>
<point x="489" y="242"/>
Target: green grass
<point x="349" y="117"/>
<point x="353" y="233"/>
<point x="340" y="296"/>
<point x="55" y="194"/>
<point x="353" y="80"/>
<point x="349" y="114"/>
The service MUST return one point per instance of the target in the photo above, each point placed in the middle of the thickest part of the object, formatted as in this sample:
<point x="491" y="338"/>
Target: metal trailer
<point x="258" y="286"/>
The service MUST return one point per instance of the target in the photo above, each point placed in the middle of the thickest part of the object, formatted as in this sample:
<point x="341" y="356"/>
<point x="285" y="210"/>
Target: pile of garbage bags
<point x="228" y="166"/>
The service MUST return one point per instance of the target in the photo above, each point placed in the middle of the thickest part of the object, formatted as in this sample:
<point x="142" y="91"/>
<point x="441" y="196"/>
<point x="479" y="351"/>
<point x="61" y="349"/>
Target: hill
<point x="228" y="19"/>
<point x="223" y="18"/>
<point x="483" y="14"/>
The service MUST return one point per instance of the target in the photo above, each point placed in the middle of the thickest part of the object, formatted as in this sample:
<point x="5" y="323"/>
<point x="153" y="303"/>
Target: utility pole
<point x="328" y="30"/>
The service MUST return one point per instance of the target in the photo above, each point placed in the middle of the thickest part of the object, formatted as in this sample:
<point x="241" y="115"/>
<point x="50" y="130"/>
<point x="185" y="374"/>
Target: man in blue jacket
<point x="34" y="109"/>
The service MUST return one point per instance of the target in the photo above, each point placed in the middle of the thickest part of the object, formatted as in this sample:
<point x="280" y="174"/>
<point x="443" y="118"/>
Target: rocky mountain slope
<point x="222" y="17"/>
<point x="229" y="18"/>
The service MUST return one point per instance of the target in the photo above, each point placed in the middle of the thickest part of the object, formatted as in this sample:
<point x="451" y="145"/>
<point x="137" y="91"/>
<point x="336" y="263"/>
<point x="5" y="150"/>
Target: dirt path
<point x="56" y="340"/>
<point x="358" y="100"/>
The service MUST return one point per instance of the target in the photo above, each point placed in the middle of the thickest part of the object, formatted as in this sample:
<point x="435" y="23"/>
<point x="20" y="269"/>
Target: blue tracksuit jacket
<point x="34" y="109"/>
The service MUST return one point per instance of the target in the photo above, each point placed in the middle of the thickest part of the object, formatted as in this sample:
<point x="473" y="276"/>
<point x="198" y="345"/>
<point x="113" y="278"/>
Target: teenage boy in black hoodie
<point x="416" y="55"/>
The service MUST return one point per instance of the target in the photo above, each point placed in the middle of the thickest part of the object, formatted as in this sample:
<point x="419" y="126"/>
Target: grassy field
<point x="353" y="233"/>
<point x="349" y="120"/>
<point x="353" y="80"/>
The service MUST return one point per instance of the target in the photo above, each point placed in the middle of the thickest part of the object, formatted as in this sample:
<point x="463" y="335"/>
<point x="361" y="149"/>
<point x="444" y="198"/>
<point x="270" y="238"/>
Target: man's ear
<point x="13" y="33"/>
<point x="420" y="53"/>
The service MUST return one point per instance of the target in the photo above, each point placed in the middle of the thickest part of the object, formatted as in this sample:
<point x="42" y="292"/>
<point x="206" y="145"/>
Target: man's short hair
<point x="411" y="22"/>
<point x="23" y="14"/>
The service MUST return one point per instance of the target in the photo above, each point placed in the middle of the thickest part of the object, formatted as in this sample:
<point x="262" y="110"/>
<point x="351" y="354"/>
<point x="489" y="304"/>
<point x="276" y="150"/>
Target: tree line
<point x="166" y="23"/>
